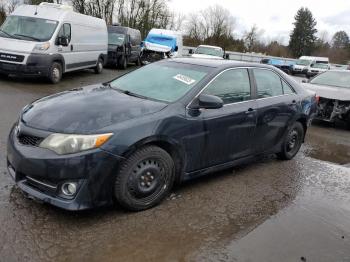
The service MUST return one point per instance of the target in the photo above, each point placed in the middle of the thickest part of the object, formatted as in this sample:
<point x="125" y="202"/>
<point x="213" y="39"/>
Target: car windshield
<point x="333" y="78"/>
<point x="209" y="51"/>
<point x="28" y="28"/>
<point x="303" y="62"/>
<point x="321" y="66"/>
<point x="165" y="81"/>
<point x="115" y="39"/>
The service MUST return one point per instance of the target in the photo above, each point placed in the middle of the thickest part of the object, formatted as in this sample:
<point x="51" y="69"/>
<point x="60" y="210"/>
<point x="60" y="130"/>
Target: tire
<point x="55" y="73"/>
<point x="292" y="141"/>
<point x="144" y="179"/>
<point x="123" y="63"/>
<point x="138" y="61"/>
<point x="99" y="66"/>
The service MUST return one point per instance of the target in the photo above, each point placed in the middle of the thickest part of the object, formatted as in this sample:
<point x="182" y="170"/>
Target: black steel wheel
<point x="144" y="179"/>
<point x="292" y="141"/>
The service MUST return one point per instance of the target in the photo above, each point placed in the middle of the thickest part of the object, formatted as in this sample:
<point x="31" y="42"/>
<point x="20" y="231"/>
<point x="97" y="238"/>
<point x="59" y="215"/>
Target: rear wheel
<point x="55" y="73"/>
<point x="99" y="66"/>
<point x="292" y="141"/>
<point x="144" y="179"/>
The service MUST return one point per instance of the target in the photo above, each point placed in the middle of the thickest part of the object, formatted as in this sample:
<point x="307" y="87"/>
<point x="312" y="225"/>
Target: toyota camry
<point x="130" y="140"/>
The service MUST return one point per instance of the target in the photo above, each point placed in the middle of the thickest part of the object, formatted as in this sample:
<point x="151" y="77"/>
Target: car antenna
<point x="36" y="10"/>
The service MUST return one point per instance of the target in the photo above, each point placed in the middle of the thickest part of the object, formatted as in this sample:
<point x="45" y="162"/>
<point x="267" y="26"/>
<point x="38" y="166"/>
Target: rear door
<point x="277" y="107"/>
<point x="229" y="131"/>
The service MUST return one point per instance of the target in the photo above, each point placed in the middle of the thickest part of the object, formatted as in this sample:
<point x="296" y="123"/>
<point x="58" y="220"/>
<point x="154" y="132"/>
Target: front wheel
<point x="292" y="141"/>
<point x="55" y="73"/>
<point x="99" y="66"/>
<point x="144" y="179"/>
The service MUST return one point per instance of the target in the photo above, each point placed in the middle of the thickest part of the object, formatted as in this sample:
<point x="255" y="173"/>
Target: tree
<point x="303" y="37"/>
<point x="340" y="40"/>
<point x="213" y="25"/>
<point x="251" y="38"/>
<point x="2" y="14"/>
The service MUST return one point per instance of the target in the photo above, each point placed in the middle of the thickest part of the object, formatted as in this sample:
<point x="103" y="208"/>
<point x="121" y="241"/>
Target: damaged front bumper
<point x="331" y="110"/>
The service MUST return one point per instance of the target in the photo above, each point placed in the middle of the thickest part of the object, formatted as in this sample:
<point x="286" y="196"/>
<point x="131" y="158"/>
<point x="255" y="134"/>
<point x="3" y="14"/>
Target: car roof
<point x="215" y="63"/>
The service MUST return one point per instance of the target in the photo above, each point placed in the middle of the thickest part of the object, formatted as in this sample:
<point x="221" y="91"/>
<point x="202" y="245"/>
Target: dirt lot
<point x="268" y="210"/>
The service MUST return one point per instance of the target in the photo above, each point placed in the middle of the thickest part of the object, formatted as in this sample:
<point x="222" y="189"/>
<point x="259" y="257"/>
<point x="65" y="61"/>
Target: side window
<point x="231" y="86"/>
<point x="268" y="83"/>
<point x="65" y="31"/>
<point x="287" y="90"/>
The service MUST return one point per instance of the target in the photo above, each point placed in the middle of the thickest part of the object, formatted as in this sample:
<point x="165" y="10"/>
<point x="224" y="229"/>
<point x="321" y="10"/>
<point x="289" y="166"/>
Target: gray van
<point x="124" y="46"/>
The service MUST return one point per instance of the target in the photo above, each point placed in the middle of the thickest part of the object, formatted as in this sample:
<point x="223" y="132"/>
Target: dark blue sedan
<point x="128" y="141"/>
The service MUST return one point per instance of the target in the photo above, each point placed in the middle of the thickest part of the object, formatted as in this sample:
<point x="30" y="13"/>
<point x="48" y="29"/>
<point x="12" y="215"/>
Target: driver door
<point x="229" y="131"/>
<point x="66" y="51"/>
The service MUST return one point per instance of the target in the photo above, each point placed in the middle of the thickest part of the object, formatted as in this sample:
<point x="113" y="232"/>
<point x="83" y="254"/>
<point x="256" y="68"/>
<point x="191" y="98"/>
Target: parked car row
<point x="50" y="39"/>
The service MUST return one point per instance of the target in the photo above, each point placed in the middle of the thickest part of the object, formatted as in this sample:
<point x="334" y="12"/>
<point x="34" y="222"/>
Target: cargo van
<point x="304" y="63"/>
<point x="51" y="39"/>
<point x="124" y="46"/>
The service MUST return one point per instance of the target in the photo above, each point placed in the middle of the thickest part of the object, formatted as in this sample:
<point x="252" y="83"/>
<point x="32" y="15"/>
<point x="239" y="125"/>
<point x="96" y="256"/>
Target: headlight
<point x="42" y="47"/>
<point x="69" y="144"/>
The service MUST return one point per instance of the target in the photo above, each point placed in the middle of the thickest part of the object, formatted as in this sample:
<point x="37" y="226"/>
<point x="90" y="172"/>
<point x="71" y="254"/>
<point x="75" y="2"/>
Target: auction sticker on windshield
<point x="184" y="79"/>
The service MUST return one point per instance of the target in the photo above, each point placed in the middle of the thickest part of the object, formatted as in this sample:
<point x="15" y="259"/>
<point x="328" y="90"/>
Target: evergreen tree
<point x="340" y="40"/>
<point x="303" y="37"/>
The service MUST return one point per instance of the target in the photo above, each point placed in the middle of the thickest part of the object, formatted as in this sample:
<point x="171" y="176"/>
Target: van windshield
<point x="28" y="28"/>
<point x="115" y="39"/>
<point x="303" y="62"/>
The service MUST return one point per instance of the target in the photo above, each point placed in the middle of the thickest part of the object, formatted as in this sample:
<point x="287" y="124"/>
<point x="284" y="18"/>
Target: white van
<point x="303" y="64"/>
<point x="51" y="39"/>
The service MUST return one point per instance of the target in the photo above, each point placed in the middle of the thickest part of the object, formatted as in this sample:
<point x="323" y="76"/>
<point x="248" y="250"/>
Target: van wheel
<point x="144" y="179"/>
<point x="99" y="66"/>
<point x="123" y="63"/>
<point x="138" y="61"/>
<point x="55" y="73"/>
<point x="292" y="141"/>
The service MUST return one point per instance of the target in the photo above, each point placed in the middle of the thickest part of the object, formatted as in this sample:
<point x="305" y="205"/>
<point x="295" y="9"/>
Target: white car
<point x="303" y="64"/>
<point x="316" y="69"/>
<point x="208" y="51"/>
<point x="51" y="39"/>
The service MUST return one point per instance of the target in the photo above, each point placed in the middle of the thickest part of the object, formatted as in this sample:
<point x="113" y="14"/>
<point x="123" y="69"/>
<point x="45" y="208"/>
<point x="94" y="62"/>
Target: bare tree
<point x="251" y="38"/>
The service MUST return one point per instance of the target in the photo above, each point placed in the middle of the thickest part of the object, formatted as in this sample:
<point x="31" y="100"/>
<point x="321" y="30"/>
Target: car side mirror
<point x="63" y="41"/>
<point x="176" y="48"/>
<point x="190" y="51"/>
<point x="305" y="81"/>
<point x="207" y="102"/>
<point x="227" y="56"/>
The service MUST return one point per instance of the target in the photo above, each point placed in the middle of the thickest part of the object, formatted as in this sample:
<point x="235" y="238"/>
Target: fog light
<point x="69" y="189"/>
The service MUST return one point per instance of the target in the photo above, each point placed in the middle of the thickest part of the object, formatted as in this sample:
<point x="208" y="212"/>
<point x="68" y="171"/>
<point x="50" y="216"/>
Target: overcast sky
<point x="275" y="17"/>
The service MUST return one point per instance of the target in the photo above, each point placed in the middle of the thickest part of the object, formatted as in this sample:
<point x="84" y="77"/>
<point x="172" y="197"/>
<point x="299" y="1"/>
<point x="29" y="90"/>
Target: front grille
<point x="11" y="57"/>
<point x="29" y="140"/>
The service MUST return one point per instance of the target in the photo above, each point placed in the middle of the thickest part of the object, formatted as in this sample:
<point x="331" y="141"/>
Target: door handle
<point x="71" y="47"/>
<point x="250" y="110"/>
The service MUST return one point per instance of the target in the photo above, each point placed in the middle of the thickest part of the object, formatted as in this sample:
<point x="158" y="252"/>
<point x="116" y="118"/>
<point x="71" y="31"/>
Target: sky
<point x="275" y="17"/>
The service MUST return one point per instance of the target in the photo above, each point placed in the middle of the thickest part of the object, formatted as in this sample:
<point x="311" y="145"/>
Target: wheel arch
<point x="303" y="121"/>
<point x="60" y="59"/>
<point x="172" y="147"/>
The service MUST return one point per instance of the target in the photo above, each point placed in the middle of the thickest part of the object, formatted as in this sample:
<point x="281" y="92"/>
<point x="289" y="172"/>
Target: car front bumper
<point x="40" y="173"/>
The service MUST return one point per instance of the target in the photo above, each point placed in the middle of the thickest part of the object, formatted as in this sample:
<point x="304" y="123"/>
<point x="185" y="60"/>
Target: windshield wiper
<point x="127" y="92"/>
<point x="4" y="32"/>
<point x="30" y="37"/>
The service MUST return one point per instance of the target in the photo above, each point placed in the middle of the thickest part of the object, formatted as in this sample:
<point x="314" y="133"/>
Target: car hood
<point x="330" y="92"/>
<point x="207" y="56"/>
<point x="84" y="110"/>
